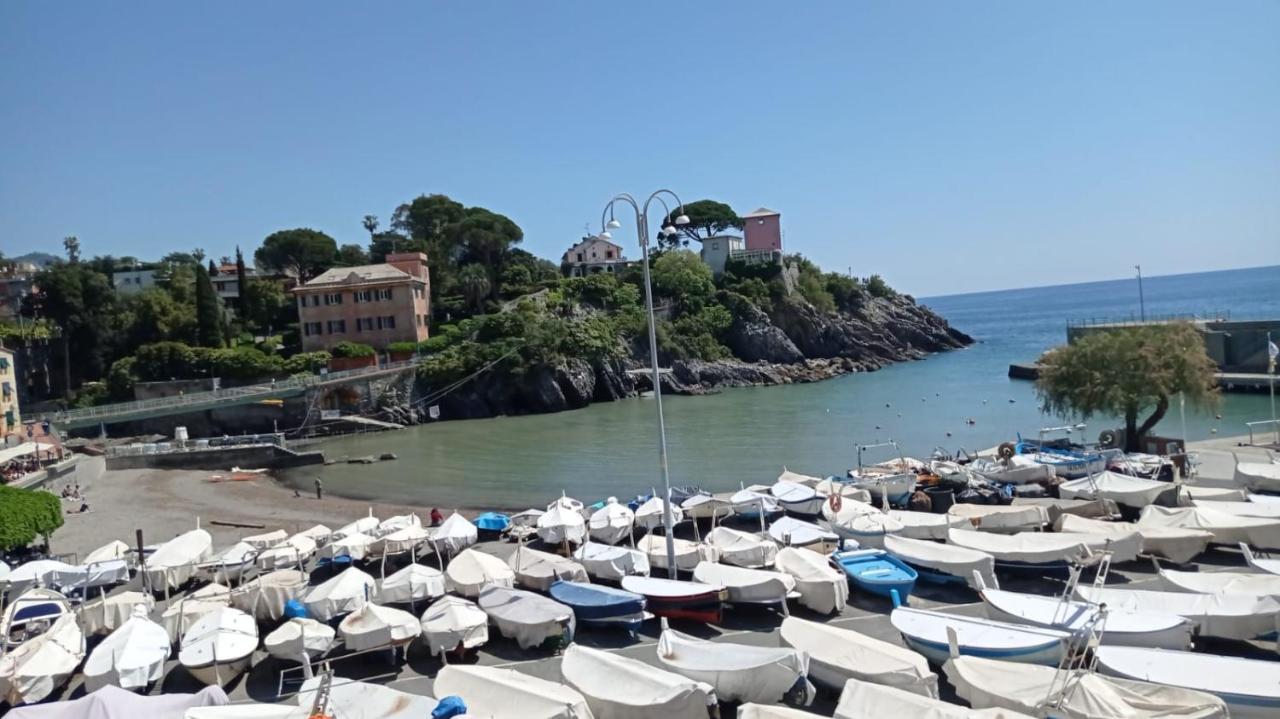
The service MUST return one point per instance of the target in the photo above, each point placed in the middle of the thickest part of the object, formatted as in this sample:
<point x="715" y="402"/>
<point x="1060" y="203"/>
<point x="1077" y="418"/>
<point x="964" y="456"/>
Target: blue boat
<point x="492" y="522"/>
<point x="878" y="572"/>
<point x="598" y="605"/>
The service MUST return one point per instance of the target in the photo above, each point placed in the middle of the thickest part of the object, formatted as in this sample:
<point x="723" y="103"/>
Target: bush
<point x="26" y="515"/>
<point x="877" y="287"/>
<point x="403" y="347"/>
<point x="682" y="276"/>
<point x="352" y="349"/>
<point x="306" y="363"/>
<point x="120" y="379"/>
<point x="162" y="361"/>
<point x="90" y="394"/>
<point x="815" y="291"/>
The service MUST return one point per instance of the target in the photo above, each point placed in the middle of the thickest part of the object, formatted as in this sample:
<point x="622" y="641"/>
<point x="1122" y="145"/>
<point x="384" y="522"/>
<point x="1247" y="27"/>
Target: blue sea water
<point x="748" y="435"/>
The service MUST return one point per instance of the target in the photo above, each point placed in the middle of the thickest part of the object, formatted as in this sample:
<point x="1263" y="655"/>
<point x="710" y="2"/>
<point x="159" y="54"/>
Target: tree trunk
<point x="1131" y="429"/>
<point x="1162" y="406"/>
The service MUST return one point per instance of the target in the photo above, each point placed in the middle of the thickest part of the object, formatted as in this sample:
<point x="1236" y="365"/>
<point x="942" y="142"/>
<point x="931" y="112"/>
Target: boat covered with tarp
<point x="597" y="604"/>
<point x="1176" y="544"/>
<point x="926" y="631"/>
<point x="452" y="623"/>
<point x="1260" y="532"/>
<point x="131" y="657"/>
<point x="617" y="686"/>
<point x="528" y="618"/>
<point x="266" y="595"/>
<point x="747" y="586"/>
<point x="837" y="655"/>
<point x="611" y="562"/>
<point x="1139" y="629"/>
<point x="1227" y="616"/>
<point x="821" y="587"/>
<point x="1127" y="491"/>
<point x="539" y="570"/>
<point x="38" y="667"/>
<point x="678" y="599"/>
<point x="611" y="523"/>
<point x="942" y="563"/>
<point x="1250" y="687"/>
<point x="742" y="549"/>
<point x="374" y="626"/>
<point x="688" y="553"/>
<point x="737" y="672"/>
<point x="496" y="692"/>
<point x="471" y="570"/>
<point x="411" y="583"/>
<point x="339" y="595"/>
<point x="173" y="562"/>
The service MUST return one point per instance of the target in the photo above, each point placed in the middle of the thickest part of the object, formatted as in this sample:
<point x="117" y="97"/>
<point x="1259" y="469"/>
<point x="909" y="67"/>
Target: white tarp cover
<point x="102" y="574"/>
<point x="454" y="534"/>
<point x="651" y="513"/>
<point x="926" y="525"/>
<point x="114" y="549"/>
<point x="355" y="545"/>
<point x="1258" y="476"/>
<point x="747" y="500"/>
<point x="563" y="522"/>
<point x="363" y="525"/>
<point x="837" y="655"/>
<point x="1217" y="615"/>
<point x="292" y="552"/>
<point x="773" y="711"/>
<point x="45" y="573"/>
<point x="175" y="561"/>
<point x="749" y="586"/>
<point x="490" y="692"/>
<point x="1120" y="488"/>
<point x="622" y="688"/>
<point x="706" y="506"/>
<point x="265" y="596"/>
<point x="1226" y="528"/>
<point x="38" y="666"/>
<point x="231" y="562"/>
<point x="1250" y="686"/>
<point x="1195" y="493"/>
<point x="868" y="529"/>
<point x="222" y="636"/>
<point x="106" y="614"/>
<point x="131" y="657"/>
<point x="539" y="570"/>
<point x="1026" y="547"/>
<point x="1267" y="510"/>
<point x="471" y="570"/>
<point x="742" y="548"/>
<point x="115" y="703"/>
<point x="374" y="625"/>
<point x="802" y="497"/>
<point x="451" y="621"/>
<point x="988" y="683"/>
<point x="265" y="540"/>
<point x="345" y="592"/>
<point x="612" y="522"/>
<point x="1241" y="583"/>
<point x="1146" y="629"/>
<point x="351" y="699"/>
<point x="976" y="633"/>
<point x="804" y="480"/>
<point x="950" y="559"/>
<point x="397" y="523"/>
<point x="4" y="574"/>
<point x="1018" y="469"/>
<point x="528" y="618"/>
<point x="1000" y="517"/>
<point x="182" y="613"/>
<point x="604" y="561"/>
<point x="413" y="583"/>
<point x="319" y="534"/>
<point x="1172" y="543"/>
<point x="822" y="587"/>
<point x="737" y="672"/>
<point x="298" y="635"/>
<point x="792" y="532"/>
<point x="688" y="554"/>
<point x="864" y="700"/>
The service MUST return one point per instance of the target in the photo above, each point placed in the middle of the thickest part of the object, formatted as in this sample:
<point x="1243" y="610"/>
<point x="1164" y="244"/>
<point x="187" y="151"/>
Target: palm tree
<point x="474" y="279"/>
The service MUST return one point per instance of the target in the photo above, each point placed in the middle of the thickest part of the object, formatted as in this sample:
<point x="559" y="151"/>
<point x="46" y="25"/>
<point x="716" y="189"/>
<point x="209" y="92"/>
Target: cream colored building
<point x="10" y="417"/>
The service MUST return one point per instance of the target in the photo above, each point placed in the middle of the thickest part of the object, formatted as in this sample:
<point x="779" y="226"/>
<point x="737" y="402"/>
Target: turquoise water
<point x="748" y="435"/>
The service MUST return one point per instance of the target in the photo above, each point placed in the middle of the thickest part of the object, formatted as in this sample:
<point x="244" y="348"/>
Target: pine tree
<point x="209" y="331"/>
<point x="241" y="283"/>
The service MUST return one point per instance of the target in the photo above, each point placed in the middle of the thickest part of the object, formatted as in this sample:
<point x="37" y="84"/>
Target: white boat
<point x="353" y="699"/>
<point x="374" y="626"/>
<point x="301" y="639"/>
<point x="31" y="613"/>
<point x="39" y="666"/>
<point x="1195" y="492"/>
<point x="1081" y="694"/>
<point x="822" y="588"/>
<point x="219" y="646"/>
<point x="530" y="619"/>
<point x="616" y="686"/>
<point x="651" y="514"/>
<point x="265" y="596"/>
<point x="865" y="700"/>
<point x="539" y="570"/>
<point x="1024" y="550"/>
<point x="1018" y="469"/>
<point x="942" y="563"/>
<point x="186" y="611"/>
<point x="412" y="583"/>
<point x="1250" y="584"/>
<point x="1122" y="489"/>
<point x="1226" y="528"/>
<point x="926" y="525"/>
<point x="1001" y="518"/>
<point x="524" y="524"/>
<point x="608" y="562"/>
<point x="471" y="570"/>
<point x="925" y="631"/>
<point x="1265" y="510"/>
<point x="753" y="503"/>
<point x="611" y="523"/>
<point x="705" y="506"/>
<point x="454" y="535"/>
<point x="747" y="586"/>
<point x="737" y="672"/>
<point x="108" y="613"/>
<point x="1250" y="687"/>
<point x="751" y="710"/>
<point x="563" y="522"/>
<point x="266" y="540"/>
<point x="397" y="523"/>
<point x="1257" y="476"/>
<point x="791" y="532"/>
<point x="341" y="594"/>
<point x="742" y="549"/>
<point x="110" y="551"/>
<point x="405" y="540"/>
<point x="43" y="573"/>
<point x="883" y="483"/>
<point x="453" y="622"/>
<point x="1216" y="615"/>
<point x="229" y="565"/>
<point x="838" y="655"/>
<point x="868" y="529"/>
<point x="1173" y="543"/>
<point x="1128" y="628"/>
<point x="173" y="563"/>
<point x="354" y="545"/>
<point x="291" y="552"/>
<point x="363" y="525"/>
<point x="798" y="499"/>
<point x="1262" y="564"/>
<point x="494" y="692"/>
<point x="807" y="480"/>
<point x="843" y="487"/>
<point x="688" y="553"/>
<point x="319" y="534"/>
<point x="131" y="657"/>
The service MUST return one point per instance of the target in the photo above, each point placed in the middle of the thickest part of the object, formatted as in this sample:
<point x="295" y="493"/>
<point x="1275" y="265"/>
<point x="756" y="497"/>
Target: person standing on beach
<point x="319" y="489"/>
<point x="436" y="517"/>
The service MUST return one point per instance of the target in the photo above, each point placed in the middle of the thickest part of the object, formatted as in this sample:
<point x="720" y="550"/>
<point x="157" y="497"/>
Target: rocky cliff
<point x="793" y="342"/>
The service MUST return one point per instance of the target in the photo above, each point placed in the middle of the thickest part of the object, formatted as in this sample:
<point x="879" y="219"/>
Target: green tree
<point x="1126" y="372"/>
<point x="302" y="253"/>
<point x="158" y="317"/>
<point x="485" y="237"/>
<point x="474" y="279"/>
<point x="85" y="307"/>
<point x="685" y="278"/>
<point x="370" y="223"/>
<point x="428" y="223"/>
<point x="209" y="331"/>
<point x="179" y="258"/>
<point x="26" y="515"/>
<point x="352" y="256"/>
<point x="266" y="305"/>
<point x="382" y="244"/>
<point x="241" y="281"/>
<point x="72" y="246"/>
<point x="182" y="283"/>
<point x="706" y="218"/>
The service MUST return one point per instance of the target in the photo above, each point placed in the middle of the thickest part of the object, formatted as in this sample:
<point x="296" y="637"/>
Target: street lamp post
<point x="642" y="229"/>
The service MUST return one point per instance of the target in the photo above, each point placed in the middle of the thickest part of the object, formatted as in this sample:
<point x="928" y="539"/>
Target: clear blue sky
<point x="948" y="146"/>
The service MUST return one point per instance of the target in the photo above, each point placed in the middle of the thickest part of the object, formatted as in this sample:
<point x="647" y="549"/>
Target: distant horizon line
<point x="1095" y="282"/>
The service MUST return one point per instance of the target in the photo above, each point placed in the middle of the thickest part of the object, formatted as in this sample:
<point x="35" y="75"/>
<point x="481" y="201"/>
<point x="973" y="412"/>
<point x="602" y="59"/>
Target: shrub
<point x="877" y="287"/>
<point x="403" y="347"/>
<point x="163" y="361"/>
<point x="26" y="515"/>
<point x="120" y="379"/>
<point x="352" y="349"/>
<point x="306" y="363"/>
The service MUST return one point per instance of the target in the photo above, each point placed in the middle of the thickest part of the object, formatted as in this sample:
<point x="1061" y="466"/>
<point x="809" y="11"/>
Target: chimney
<point x="415" y="263"/>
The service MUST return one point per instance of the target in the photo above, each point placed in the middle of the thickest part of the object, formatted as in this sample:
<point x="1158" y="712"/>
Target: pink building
<point x="762" y="230"/>
<point x="371" y="304"/>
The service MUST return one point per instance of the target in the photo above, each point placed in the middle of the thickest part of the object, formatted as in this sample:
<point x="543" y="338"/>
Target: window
<point x="387" y="322"/>
<point x="333" y="298"/>
<point x="311" y="328"/>
<point x="579" y="256"/>
<point x="384" y="293"/>
<point x="337" y="327"/>
<point x="608" y="254"/>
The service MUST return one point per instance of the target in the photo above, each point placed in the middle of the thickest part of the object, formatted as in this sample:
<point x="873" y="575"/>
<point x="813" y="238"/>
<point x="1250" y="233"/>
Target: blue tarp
<point x="450" y="706"/>
<point x="595" y="601"/>
<point x="492" y="522"/>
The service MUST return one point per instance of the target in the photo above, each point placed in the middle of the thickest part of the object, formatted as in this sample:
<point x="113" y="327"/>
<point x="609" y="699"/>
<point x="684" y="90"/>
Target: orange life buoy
<point x="836" y="502"/>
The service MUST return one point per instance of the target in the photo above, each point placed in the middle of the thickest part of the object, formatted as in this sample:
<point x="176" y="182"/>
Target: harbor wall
<point x="254" y="457"/>
<point x="1236" y="346"/>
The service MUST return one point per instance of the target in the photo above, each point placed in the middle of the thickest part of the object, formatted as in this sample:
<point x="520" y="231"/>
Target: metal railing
<point x="1134" y="318"/>
<point x="1275" y="427"/>
<point x="265" y="389"/>
<point x="761" y="256"/>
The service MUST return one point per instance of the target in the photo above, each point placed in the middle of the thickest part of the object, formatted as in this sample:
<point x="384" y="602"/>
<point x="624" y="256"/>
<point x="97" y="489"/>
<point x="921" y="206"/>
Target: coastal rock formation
<point x="753" y="337"/>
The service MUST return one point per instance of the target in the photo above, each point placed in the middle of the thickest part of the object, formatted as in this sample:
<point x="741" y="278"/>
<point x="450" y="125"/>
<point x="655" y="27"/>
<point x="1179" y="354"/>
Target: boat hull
<point x="862" y="569"/>
<point x="1048" y="654"/>
<point x="702" y="608"/>
<point x="1175" y="637"/>
<point x="810" y="507"/>
<point x="220" y="672"/>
